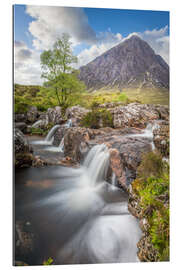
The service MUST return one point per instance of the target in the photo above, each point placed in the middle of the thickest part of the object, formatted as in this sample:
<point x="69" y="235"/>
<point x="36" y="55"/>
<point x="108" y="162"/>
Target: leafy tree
<point x="57" y="69"/>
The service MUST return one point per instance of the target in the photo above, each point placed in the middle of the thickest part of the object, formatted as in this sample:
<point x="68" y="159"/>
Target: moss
<point x="152" y="191"/>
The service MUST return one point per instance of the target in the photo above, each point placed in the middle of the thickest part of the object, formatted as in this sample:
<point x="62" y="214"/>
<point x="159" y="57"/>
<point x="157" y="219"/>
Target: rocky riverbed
<point x="138" y="129"/>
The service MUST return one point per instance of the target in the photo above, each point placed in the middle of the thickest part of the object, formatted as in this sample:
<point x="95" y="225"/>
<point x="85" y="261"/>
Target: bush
<point x="97" y="118"/>
<point x="151" y="166"/>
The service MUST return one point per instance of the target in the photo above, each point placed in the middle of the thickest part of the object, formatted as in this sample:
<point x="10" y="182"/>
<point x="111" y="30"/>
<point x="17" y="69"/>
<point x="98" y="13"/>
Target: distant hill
<point x="131" y="64"/>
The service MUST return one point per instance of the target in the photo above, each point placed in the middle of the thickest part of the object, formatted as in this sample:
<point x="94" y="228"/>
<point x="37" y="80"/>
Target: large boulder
<point x="55" y="115"/>
<point x="22" y="151"/>
<point x="32" y="115"/>
<point x="21" y="125"/>
<point x="76" y="113"/>
<point x="138" y="115"/>
<point x="20" y="117"/>
<point x="76" y="143"/>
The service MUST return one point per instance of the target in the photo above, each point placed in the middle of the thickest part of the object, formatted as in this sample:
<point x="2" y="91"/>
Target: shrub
<point x="97" y="118"/>
<point x="151" y="165"/>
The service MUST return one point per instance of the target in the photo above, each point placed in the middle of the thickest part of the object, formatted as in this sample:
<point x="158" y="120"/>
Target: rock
<point x="38" y="162"/>
<point x="21" y="126"/>
<point x="161" y="138"/>
<point x="59" y="134"/>
<point x="25" y="241"/>
<point x="22" y="150"/>
<point x="138" y="115"/>
<point x="32" y="115"/>
<point x="76" y="113"/>
<point x="20" y="117"/>
<point x="55" y="115"/>
<point x="76" y="143"/>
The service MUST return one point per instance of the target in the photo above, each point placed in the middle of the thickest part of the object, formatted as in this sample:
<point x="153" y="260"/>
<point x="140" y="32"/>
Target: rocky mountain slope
<point x="132" y="63"/>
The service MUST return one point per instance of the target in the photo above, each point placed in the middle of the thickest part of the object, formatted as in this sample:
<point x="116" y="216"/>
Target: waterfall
<point x="61" y="145"/>
<point x="68" y="123"/>
<point x="37" y="123"/>
<point x="148" y="133"/>
<point x="97" y="163"/>
<point x="50" y="134"/>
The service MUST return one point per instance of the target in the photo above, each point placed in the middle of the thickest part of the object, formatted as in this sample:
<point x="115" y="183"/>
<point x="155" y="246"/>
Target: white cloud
<point x="27" y="68"/>
<point x="157" y="39"/>
<point x="51" y="22"/>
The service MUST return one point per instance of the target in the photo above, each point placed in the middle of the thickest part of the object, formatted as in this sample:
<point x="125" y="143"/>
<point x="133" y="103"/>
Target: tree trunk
<point x="58" y="97"/>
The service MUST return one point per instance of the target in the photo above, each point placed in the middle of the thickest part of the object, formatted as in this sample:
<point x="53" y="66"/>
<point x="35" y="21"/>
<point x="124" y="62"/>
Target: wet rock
<point x="55" y="115"/>
<point x="21" y="126"/>
<point x="32" y="115"/>
<point x="75" y="143"/>
<point x="25" y="241"/>
<point x="59" y="134"/>
<point x="22" y="151"/>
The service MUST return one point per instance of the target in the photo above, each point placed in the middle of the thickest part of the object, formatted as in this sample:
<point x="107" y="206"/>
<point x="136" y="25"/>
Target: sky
<point x="92" y="31"/>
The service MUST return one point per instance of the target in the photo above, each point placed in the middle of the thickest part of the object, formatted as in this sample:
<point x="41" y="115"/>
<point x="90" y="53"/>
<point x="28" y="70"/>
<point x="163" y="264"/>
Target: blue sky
<point x="93" y="31"/>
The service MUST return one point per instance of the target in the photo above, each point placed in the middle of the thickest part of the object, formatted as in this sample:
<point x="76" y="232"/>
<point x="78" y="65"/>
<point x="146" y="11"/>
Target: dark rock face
<point x="22" y="126"/>
<point x="59" y="134"/>
<point x="20" y="117"/>
<point x="22" y="151"/>
<point x="132" y="63"/>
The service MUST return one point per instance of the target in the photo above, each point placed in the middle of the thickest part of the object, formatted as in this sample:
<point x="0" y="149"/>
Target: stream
<point x="75" y="215"/>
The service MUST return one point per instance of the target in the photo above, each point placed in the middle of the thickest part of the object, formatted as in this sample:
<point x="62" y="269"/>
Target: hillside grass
<point x="43" y="98"/>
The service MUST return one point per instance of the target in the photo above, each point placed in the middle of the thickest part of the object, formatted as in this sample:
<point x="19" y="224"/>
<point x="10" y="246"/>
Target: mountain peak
<point x="132" y="63"/>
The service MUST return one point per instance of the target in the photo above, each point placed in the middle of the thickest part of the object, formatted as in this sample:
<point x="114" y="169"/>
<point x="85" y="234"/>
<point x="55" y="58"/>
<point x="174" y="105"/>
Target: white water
<point x="60" y="148"/>
<point x="50" y="134"/>
<point x="148" y="134"/>
<point x="103" y="232"/>
<point x="37" y="123"/>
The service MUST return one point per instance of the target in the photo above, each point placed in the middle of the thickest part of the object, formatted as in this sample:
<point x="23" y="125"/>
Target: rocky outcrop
<point x="55" y="115"/>
<point x="125" y="151"/>
<point x="76" y="113"/>
<point x="161" y="138"/>
<point x="32" y="115"/>
<point x="22" y="151"/>
<point x="138" y="115"/>
<point x="20" y="117"/>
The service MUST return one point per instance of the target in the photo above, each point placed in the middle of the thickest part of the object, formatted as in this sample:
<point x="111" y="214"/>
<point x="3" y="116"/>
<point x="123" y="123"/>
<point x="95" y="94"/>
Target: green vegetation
<point x="152" y="189"/>
<point x="57" y="69"/>
<point x="40" y="131"/>
<point x="48" y="262"/>
<point x="97" y="117"/>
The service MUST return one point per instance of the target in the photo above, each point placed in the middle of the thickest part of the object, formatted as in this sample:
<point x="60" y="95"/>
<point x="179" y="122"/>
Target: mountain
<point x="132" y="63"/>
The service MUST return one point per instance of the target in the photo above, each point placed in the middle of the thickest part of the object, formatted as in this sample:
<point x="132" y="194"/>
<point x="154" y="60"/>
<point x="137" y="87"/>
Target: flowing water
<point x="37" y="123"/>
<point x="77" y="216"/>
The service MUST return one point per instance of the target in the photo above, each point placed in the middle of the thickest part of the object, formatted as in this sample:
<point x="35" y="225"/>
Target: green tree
<point x="57" y="69"/>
